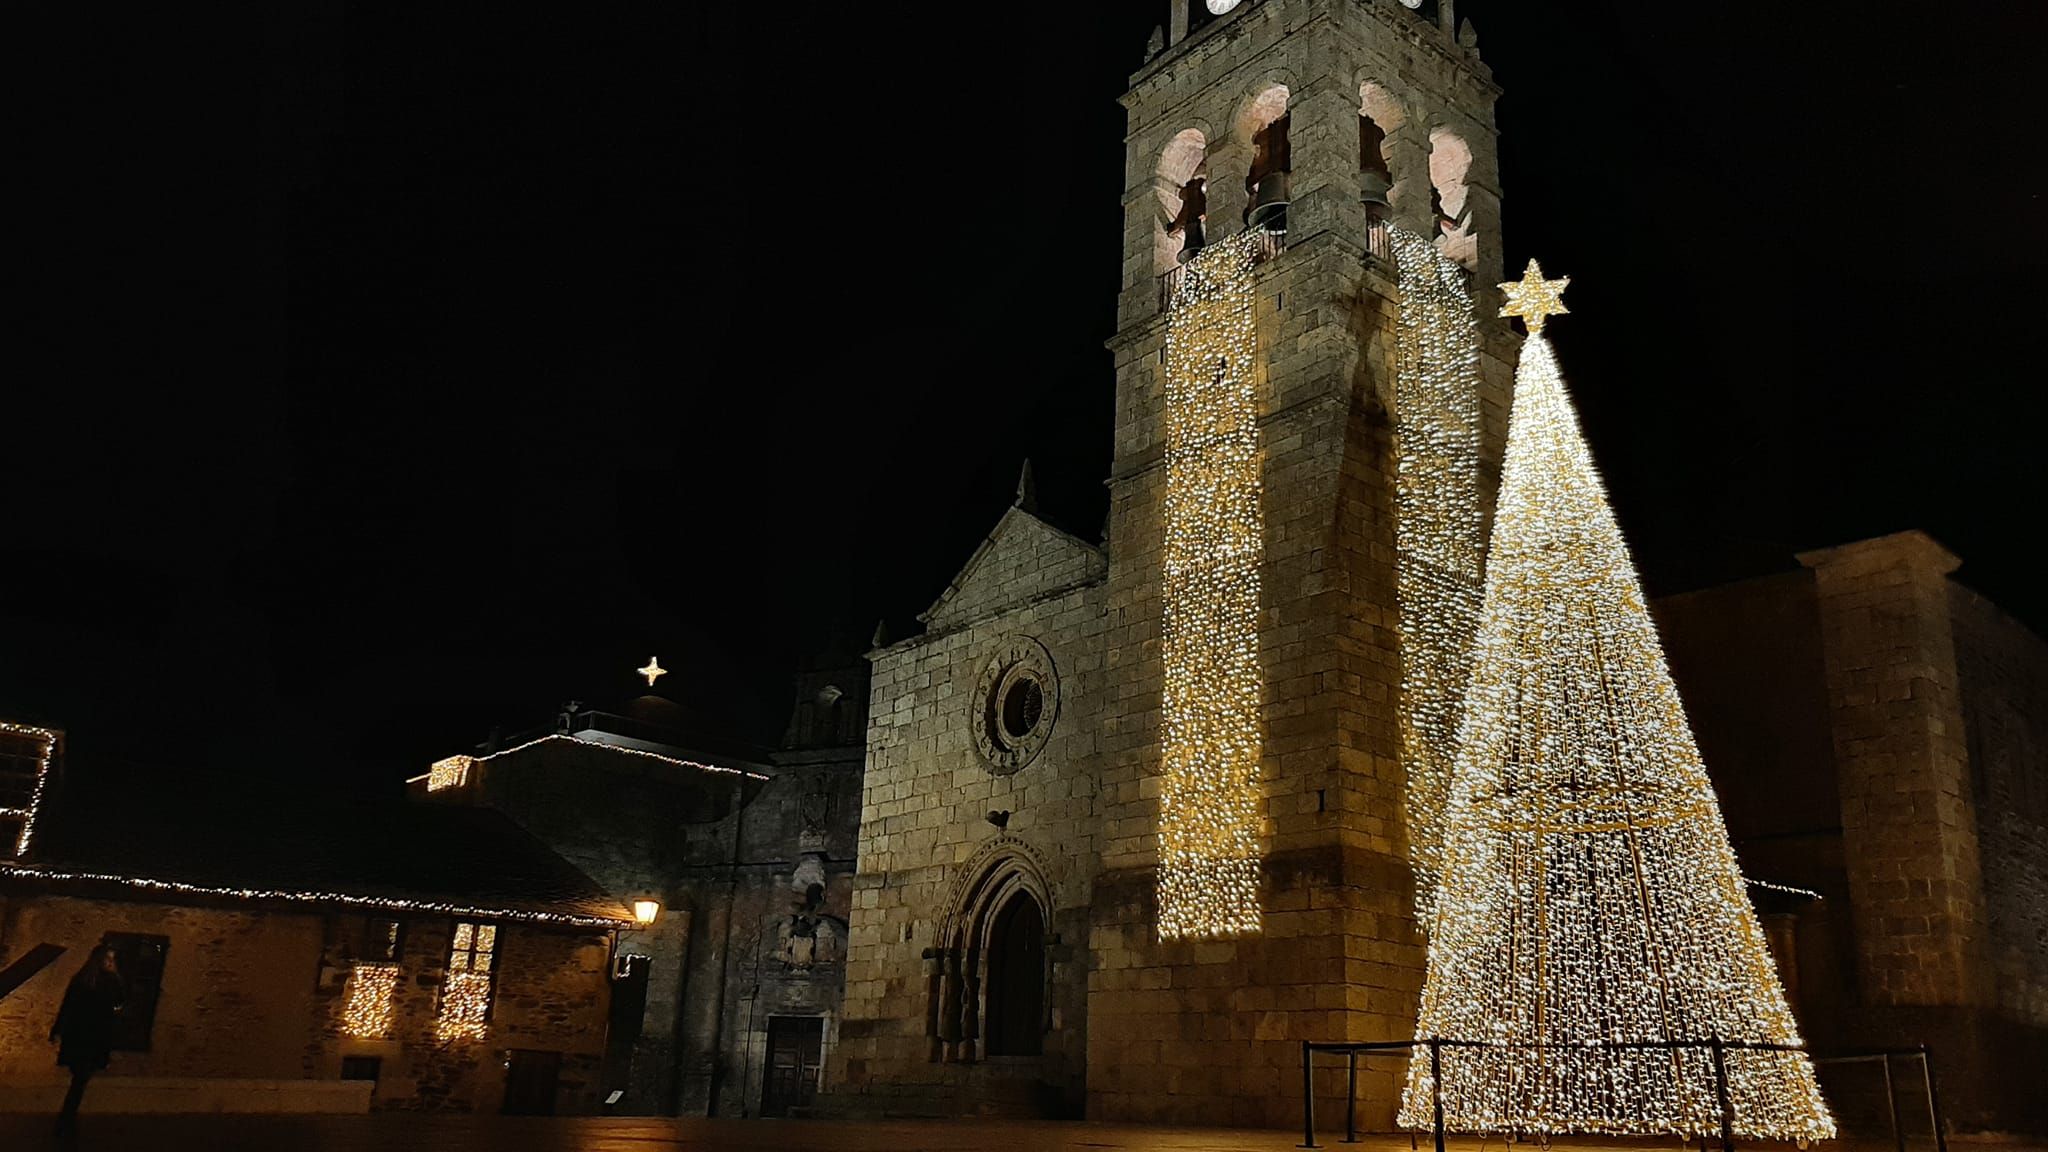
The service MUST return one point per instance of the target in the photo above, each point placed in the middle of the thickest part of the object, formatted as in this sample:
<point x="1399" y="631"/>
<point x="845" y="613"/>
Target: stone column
<point x="1909" y="833"/>
<point x="1323" y="136"/>
<point x="1407" y="151"/>
<point x="1229" y="161"/>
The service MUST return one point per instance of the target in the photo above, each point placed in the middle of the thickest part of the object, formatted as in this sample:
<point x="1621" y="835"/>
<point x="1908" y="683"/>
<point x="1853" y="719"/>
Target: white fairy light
<point x="1436" y="531"/>
<point x="452" y="772"/>
<point x="27" y="815"/>
<point x="335" y="899"/>
<point x="1209" y="800"/>
<point x="428" y="775"/>
<point x="465" y="1005"/>
<point x="466" y="996"/>
<point x="1590" y="912"/>
<point x="370" y="1003"/>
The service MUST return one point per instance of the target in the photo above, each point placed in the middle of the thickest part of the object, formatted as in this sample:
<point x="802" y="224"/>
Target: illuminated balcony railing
<point x="1271" y="244"/>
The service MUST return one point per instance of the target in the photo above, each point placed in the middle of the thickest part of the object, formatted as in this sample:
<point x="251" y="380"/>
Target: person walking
<point x="84" y="1031"/>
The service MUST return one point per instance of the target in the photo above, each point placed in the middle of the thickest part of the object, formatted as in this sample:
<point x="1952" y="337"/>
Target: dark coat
<point x="85" y="1023"/>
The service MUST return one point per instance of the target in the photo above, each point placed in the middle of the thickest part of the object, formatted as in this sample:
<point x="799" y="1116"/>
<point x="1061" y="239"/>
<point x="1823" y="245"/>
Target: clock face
<point x="1411" y="3"/>
<point x="1219" y="7"/>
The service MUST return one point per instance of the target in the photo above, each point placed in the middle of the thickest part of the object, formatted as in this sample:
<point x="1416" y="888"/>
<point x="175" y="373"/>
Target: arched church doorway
<point x="1016" y="979"/>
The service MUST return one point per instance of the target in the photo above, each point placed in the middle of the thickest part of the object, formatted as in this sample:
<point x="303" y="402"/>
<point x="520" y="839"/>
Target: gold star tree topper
<point x="1532" y="298"/>
<point x="654" y="671"/>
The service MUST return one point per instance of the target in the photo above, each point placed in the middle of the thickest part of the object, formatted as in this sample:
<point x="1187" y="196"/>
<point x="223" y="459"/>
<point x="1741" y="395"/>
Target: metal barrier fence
<point x="1719" y="1048"/>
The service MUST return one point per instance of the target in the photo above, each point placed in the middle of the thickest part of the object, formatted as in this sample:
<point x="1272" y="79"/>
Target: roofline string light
<point x="342" y="899"/>
<point x="475" y="760"/>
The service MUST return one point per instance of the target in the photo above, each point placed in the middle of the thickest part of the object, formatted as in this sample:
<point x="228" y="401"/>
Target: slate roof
<point x="212" y="837"/>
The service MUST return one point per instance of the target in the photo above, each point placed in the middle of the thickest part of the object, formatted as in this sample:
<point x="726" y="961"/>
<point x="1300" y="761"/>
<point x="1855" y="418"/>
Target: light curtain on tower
<point x="1209" y="798"/>
<point x="1589" y="897"/>
<point x="1436" y="532"/>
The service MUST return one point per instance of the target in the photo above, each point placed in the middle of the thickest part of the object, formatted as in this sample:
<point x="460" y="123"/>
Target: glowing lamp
<point x="645" y="911"/>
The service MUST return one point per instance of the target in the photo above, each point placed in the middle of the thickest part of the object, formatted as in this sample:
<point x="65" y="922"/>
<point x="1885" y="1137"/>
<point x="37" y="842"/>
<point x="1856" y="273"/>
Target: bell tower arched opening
<point x="1181" y="184"/>
<point x="1266" y="124"/>
<point x="1450" y="160"/>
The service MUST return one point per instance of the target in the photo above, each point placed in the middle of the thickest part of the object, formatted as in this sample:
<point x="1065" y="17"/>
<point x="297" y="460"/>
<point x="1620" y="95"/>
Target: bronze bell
<point x="1373" y="189"/>
<point x="1269" y="205"/>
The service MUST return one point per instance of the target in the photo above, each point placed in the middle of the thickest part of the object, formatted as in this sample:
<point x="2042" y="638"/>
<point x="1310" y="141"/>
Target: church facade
<point x="1007" y="952"/>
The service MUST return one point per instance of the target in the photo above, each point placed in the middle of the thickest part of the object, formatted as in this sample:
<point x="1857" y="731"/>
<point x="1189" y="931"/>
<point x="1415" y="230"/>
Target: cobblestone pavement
<point x="508" y="1134"/>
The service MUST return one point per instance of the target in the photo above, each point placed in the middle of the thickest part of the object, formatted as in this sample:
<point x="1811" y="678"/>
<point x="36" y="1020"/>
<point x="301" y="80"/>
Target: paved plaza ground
<point x="508" y="1134"/>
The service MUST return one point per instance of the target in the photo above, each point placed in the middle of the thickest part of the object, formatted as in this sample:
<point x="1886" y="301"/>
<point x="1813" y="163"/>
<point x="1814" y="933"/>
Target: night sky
<point x="393" y="375"/>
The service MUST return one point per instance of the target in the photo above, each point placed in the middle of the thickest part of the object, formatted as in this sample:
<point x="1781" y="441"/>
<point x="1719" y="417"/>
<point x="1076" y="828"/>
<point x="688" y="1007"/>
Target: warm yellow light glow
<point x="370" y="1003"/>
<point x="653" y="671"/>
<point x="465" y="1005"/>
<point x="1589" y="897"/>
<point x="466" y="997"/>
<point x="1533" y="299"/>
<point x="1437" y="547"/>
<point x="1209" y="799"/>
<point x="645" y="911"/>
<point x="339" y="899"/>
<point x="450" y="773"/>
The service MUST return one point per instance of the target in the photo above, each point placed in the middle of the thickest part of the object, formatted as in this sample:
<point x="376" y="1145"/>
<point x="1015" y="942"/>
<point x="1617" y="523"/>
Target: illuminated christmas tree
<point x="1593" y="939"/>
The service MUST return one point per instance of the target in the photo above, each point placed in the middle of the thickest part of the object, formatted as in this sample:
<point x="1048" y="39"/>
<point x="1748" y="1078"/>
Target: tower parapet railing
<point x="1379" y="253"/>
<point x="1271" y="243"/>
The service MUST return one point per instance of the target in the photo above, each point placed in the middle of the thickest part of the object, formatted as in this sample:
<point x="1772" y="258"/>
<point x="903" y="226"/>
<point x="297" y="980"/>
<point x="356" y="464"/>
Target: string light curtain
<point x="1436" y="532"/>
<point x="1589" y="897"/>
<point x="371" y="1001"/>
<point x="466" y="997"/>
<point x="1210" y="825"/>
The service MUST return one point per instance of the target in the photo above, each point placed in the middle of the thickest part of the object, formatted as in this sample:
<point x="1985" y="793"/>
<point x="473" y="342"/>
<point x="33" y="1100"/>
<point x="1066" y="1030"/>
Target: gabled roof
<point x="1023" y="559"/>
<point x="162" y="841"/>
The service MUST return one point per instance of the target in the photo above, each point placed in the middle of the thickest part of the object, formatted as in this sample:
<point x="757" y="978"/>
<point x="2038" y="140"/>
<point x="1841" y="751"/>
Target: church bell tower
<point x="1343" y="152"/>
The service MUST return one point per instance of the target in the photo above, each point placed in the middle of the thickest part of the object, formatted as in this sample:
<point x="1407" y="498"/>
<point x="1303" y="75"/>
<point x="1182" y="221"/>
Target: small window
<point x="141" y="963"/>
<point x="385" y="940"/>
<point x="466" y="995"/>
<point x="362" y="1068"/>
<point x="475" y="948"/>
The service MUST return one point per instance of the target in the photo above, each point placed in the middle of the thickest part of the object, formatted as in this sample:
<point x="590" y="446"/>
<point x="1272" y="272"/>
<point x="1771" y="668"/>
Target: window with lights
<point x="466" y="996"/>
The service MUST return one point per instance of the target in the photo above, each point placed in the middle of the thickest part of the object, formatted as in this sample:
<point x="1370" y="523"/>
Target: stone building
<point x="1876" y="731"/>
<point x="1878" y="734"/>
<point x="283" y="959"/>
<point x="727" y="1003"/>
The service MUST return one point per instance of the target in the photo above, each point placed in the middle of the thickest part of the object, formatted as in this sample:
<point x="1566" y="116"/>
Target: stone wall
<point x="791" y="900"/>
<point x="252" y="993"/>
<point x="237" y="997"/>
<point x="2004" y="675"/>
<point x="1748" y="664"/>
<point x="925" y="837"/>
<point x="1933" y="700"/>
<point x="550" y="993"/>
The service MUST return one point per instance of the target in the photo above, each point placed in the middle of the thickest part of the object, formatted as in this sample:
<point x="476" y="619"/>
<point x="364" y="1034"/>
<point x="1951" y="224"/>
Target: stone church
<point x="1012" y="790"/>
<point x="945" y="891"/>
<point x="1007" y="952"/>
